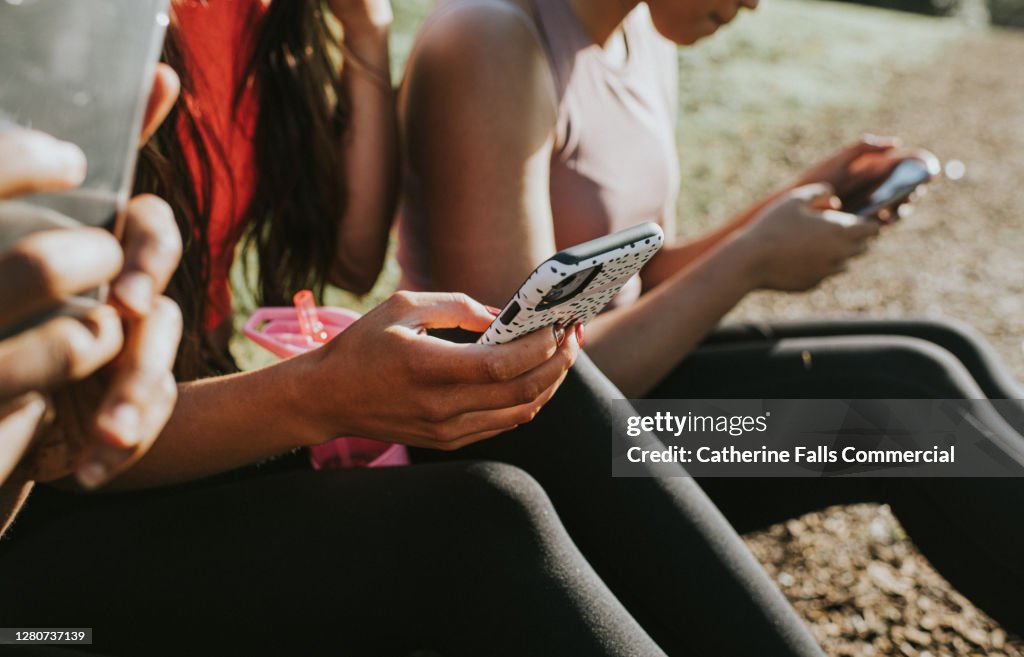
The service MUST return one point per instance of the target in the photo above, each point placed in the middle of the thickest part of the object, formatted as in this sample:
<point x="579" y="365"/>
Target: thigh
<point x="659" y="543"/>
<point x="821" y="367"/>
<point x="960" y="339"/>
<point x="455" y="558"/>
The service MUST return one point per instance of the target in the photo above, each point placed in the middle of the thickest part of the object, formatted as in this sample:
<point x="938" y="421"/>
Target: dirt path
<point x="851" y="572"/>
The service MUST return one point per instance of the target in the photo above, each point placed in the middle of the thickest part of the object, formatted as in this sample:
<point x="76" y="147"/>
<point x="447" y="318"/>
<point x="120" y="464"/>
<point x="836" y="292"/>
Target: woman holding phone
<point x="290" y="561"/>
<point x="462" y="558"/>
<point x="532" y="125"/>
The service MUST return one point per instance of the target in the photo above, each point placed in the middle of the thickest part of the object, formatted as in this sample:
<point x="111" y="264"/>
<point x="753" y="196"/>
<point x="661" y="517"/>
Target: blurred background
<point x="762" y="100"/>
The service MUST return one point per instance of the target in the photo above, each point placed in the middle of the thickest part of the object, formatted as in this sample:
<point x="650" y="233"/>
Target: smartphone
<point x="574" y="285"/>
<point x="80" y="70"/>
<point x="901" y="183"/>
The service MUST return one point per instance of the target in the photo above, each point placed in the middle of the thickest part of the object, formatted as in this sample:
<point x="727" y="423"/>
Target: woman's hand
<point x="856" y="170"/>
<point x="796" y="242"/>
<point x="385" y="378"/>
<point x="37" y="272"/>
<point x="88" y="393"/>
<point x="104" y="418"/>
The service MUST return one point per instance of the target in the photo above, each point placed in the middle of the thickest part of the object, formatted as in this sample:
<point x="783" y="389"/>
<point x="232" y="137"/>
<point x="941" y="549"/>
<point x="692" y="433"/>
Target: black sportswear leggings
<point x="462" y="559"/>
<point x="659" y="544"/>
<point x="971" y="530"/>
<point x="467" y="560"/>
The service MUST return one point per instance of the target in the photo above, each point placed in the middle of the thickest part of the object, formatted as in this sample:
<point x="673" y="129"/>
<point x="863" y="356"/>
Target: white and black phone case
<point x="574" y="285"/>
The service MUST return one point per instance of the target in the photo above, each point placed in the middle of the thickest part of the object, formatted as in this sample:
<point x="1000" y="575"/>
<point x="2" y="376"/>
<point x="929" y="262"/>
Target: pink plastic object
<point x="279" y="331"/>
<point x="309" y="320"/>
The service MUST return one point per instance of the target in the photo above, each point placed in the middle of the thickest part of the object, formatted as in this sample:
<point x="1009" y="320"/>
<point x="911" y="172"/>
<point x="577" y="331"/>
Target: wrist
<point x="744" y="255"/>
<point x="368" y="39"/>
<point x="366" y="53"/>
<point x="305" y="399"/>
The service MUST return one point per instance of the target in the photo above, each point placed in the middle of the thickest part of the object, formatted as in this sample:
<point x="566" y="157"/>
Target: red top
<point x="217" y="39"/>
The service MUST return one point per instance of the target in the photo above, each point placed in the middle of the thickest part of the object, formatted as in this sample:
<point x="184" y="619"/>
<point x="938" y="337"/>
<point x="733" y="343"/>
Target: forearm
<point x="370" y="152"/>
<point x="637" y="346"/>
<point x="227" y="422"/>
<point x="675" y="258"/>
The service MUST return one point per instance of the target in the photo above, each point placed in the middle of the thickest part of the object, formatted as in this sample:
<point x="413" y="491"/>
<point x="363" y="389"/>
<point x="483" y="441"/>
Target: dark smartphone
<point x="80" y="70"/>
<point x="906" y="177"/>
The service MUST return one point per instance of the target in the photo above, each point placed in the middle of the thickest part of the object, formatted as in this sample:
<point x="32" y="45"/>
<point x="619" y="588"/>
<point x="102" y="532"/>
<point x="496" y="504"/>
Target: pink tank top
<point x="614" y="162"/>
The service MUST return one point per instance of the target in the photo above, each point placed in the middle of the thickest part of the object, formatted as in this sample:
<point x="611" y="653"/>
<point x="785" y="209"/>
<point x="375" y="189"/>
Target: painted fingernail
<point x="494" y="311"/>
<point x="122" y="422"/>
<point x="92" y="475"/>
<point x="135" y="290"/>
<point x="559" y="332"/>
<point x="581" y="334"/>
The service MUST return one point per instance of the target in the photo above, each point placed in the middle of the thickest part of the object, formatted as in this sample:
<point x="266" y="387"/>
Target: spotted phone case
<point x="611" y="260"/>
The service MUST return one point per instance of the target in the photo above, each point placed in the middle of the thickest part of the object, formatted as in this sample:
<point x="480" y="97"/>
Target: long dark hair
<point x="299" y="190"/>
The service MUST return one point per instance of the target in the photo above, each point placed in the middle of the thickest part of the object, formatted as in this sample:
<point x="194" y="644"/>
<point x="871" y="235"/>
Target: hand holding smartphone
<point x="574" y="285"/>
<point x="80" y="71"/>
<point x="898" y="186"/>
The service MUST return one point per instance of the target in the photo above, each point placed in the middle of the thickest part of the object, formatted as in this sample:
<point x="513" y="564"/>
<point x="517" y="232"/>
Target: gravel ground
<point x="851" y="572"/>
<point x="864" y="590"/>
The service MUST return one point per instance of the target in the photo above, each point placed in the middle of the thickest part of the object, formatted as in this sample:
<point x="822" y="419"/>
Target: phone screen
<point x="81" y="71"/>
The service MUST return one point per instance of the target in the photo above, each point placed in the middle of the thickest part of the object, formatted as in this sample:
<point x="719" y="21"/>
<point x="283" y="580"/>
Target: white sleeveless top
<point x="614" y="162"/>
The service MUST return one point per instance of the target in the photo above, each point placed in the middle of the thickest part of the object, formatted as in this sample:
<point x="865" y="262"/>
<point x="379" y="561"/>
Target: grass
<point x="749" y="96"/>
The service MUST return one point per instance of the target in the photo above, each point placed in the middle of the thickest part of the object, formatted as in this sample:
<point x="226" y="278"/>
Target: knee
<point x="928" y="366"/>
<point x="954" y="333"/>
<point x="908" y="358"/>
<point x="507" y="494"/>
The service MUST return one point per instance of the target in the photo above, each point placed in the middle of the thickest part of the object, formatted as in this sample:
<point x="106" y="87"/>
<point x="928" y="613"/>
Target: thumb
<point x="450" y="310"/>
<point x="814" y="193"/>
<point x="162" y="96"/>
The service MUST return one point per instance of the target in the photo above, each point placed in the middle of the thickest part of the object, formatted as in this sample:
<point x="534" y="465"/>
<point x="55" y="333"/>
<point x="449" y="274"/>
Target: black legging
<point x="971" y="530"/>
<point x="470" y="561"/>
<point x="659" y="544"/>
<point x="462" y="559"/>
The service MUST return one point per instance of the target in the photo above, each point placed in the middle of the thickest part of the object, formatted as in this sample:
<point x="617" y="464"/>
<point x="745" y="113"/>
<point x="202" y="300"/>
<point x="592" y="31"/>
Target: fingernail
<point x="876" y="140"/>
<point x="494" y="311"/>
<point x="122" y="422"/>
<point x="135" y="290"/>
<point x="92" y="475"/>
<point x="74" y="159"/>
<point x="102" y="465"/>
<point x="835" y="203"/>
<point x="559" y="332"/>
<point x="581" y="334"/>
